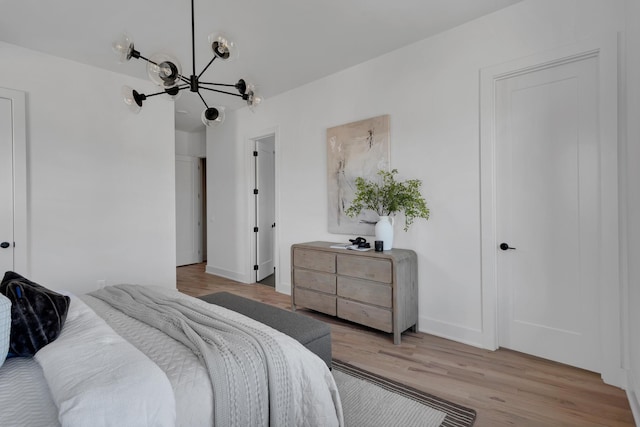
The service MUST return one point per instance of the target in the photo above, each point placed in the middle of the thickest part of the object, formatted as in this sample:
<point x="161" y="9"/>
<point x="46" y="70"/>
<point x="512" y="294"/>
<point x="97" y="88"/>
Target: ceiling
<point x="283" y="43"/>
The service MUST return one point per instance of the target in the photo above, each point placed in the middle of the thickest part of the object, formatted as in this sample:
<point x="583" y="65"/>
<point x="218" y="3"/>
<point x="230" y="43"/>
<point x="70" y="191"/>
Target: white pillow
<point x="5" y="327"/>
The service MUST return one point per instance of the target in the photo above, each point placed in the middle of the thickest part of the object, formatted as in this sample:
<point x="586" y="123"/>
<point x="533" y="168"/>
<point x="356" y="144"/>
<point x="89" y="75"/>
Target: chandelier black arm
<point x="193" y="40"/>
<point x="164" y="91"/>
<point x="217" y="84"/>
<point x="203" y="101"/>
<point x="205" y="68"/>
<point x="139" y="56"/>
<point x="220" y="91"/>
<point x="184" y="79"/>
<point x="154" y="94"/>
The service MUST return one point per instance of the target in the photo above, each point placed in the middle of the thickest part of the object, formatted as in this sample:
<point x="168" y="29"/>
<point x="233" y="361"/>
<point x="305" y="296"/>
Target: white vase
<point x="384" y="232"/>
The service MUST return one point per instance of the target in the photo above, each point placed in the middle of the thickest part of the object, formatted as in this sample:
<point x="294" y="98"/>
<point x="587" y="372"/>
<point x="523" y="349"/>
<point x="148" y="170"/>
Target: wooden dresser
<point x="376" y="289"/>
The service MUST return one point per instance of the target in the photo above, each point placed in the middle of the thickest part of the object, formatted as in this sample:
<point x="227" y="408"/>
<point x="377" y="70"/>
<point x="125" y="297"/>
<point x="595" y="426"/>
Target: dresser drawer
<point x="323" y="282"/>
<point x="314" y="260"/>
<point x="375" y="317"/>
<point x="364" y="267"/>
<point x="365" y="291"/>
<point x="314" y="300"/>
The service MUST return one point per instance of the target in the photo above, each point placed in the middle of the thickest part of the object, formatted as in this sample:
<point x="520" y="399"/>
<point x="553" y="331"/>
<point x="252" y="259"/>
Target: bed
<point x="144" y="356"/>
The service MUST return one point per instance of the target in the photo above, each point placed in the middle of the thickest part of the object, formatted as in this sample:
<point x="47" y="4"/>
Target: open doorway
<point x="264" y="209"/>
<point x="191" y="205"/>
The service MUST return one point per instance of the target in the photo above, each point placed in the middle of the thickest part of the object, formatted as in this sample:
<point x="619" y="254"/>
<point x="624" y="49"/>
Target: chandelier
<point x="165" y="71"/>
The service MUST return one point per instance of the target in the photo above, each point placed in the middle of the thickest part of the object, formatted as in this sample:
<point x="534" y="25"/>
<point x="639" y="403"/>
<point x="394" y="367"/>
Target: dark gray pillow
<point x="37" y="314"/>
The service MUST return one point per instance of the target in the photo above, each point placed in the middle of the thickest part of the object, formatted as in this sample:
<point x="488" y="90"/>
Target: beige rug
<point x="373" y="401"/>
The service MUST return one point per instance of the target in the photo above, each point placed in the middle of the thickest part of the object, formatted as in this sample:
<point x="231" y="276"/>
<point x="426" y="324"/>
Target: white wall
<point x="633" y="199"/>
<point x="192" y="144"/>
<point x="431" y="91"/>
<point x="101" y="202"/>
<point x="228" y="196"/>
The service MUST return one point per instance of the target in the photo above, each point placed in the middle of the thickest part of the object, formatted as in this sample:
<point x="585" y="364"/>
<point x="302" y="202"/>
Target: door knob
<point x="5" y="245"/>
<point x="505" y="246"/>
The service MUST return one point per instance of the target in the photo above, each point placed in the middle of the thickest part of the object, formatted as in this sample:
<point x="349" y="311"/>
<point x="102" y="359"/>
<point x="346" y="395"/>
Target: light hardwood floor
<point x="506" y="388"/>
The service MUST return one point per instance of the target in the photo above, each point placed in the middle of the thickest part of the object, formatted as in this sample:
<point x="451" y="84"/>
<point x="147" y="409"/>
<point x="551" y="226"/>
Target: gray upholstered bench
<point x="312" y="333"/>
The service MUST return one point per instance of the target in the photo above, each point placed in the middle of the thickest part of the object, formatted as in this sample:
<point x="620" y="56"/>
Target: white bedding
<point x="24" y="396"/>
<point x="316" y="397"/>
<point x="93" y="373"/>
<point x="187" y="376"/>
<point x="317" y="402"/>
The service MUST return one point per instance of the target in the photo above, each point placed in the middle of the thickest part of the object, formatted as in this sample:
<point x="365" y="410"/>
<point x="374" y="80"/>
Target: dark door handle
<point x="505" y="246"/>
<point x="5" y="245"/>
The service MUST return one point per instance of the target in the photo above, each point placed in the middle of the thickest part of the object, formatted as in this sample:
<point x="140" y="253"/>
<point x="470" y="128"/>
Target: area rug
<point x="374" y="401"/>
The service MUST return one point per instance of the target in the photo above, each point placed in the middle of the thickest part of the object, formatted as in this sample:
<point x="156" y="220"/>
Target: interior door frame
<point x="259" y="203"/>
<point x="250" y="147"/>
<point x="611" y="326"/>
<point x="20" y="187"/>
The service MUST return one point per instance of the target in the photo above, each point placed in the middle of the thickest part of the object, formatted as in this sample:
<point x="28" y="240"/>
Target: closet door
<point x="548" y="212"/>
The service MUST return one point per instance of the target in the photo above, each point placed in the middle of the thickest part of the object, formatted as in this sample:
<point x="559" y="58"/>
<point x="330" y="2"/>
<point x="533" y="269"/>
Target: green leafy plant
<point x="388" y="196"/>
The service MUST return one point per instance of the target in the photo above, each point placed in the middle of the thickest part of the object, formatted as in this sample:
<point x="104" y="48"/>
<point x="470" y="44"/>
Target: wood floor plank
<point x="505" y="387"/>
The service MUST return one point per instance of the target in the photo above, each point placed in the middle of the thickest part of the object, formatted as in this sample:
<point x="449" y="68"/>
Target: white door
<point x="6" y="187"/>
<point x="13" y="182"/>
<point x="265" y="206"/>
<point x="548" y="212"/>
<point x="189" y="247"/>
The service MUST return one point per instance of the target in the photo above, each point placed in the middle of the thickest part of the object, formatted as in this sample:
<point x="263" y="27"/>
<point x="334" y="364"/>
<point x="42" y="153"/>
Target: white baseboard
<point x="473" y="337"/>
<point x="615" y="376"/>
<point x="283" y="288"/>
<point x="238" y="277"/>
<point x="632" y="395"/>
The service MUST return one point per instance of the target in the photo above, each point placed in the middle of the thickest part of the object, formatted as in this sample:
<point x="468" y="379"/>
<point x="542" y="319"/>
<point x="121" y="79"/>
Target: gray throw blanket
<point x="249" y="376"/>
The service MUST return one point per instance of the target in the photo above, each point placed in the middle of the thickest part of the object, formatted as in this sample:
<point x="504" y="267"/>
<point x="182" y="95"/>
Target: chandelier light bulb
<point x="213" y="116"/>
<point x="132" y="99"/>
<point x="164" y="70"/>
<point x="167" y="71"/>
<point x="254" y="100"/>
<point x="222" y="47"/>
<point x="251" y="97"/>
<point x="123" y="47"/>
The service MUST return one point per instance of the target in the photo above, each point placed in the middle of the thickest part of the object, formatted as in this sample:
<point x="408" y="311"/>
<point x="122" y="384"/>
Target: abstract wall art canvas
<point x="355" y="149"/>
